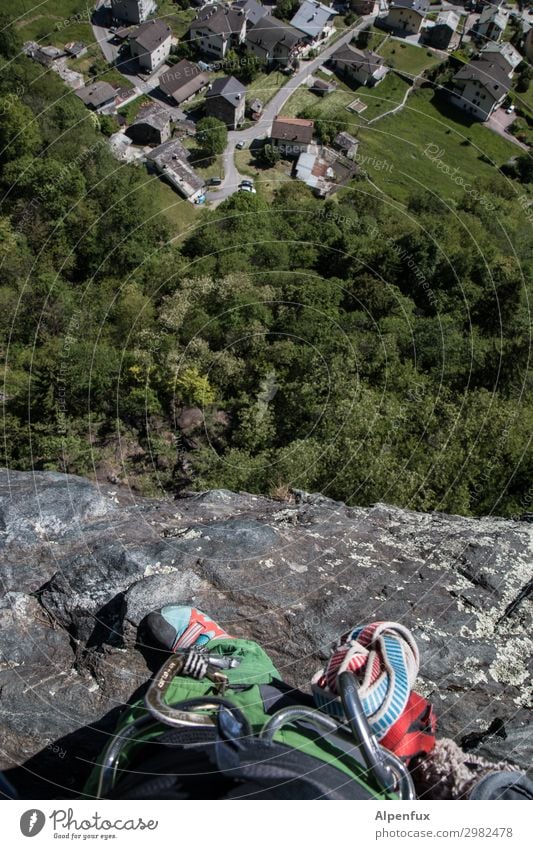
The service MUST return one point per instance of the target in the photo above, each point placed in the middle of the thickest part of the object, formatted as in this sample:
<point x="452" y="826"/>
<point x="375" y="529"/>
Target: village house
<point x="481" y="86"/>
<point x="359" y="66"/>
<point x="292" y="136"/>
<point x="45" y="55"/>
<point x="314" y="20"/>
<point x="405" y="17"/>
<point x="363" y="7"/>
<point x="347" y="144"/>
<point x="133" y="11"/>
<point x="98" y="96"/>
<point x="505" y="50"/>
<point x="216" y="29"/>
<point x="253" y="10"/>
<point x="441" y="34"/>
<point x="274" y="42"/>
<point x="491" y="24"/>
<point x="150" y="44"/>
<point x="322" y="87"/>
<point x="182" y="81"/>
<point x="171" y="162"/>
<point x="151" y="126"/>
<point x="75" y="49"/>
<point x="226" y="100"/>
<point x="255" y="109"/>
<point x="324" y="170"/>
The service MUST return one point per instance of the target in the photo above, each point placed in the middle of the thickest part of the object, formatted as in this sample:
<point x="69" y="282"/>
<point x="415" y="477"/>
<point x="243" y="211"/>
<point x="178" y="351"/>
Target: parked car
<point x="247" y="189"/>
<point x="246" y="184"/>
<point x="200" y="199"/>
<point x="215" y="181"/>
<point x="240" y="145"/>
<point x="510" y="109"/>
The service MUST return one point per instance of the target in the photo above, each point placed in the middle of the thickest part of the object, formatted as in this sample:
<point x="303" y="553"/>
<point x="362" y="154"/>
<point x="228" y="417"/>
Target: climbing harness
<point x="384" y="660"/>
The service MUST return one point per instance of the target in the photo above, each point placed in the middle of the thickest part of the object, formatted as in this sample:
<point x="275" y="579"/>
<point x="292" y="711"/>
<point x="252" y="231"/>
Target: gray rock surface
<point x="82" y="565"/>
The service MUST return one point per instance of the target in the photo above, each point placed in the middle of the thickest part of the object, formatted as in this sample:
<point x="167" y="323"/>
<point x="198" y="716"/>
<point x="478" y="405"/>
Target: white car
<point x="247" y="189"/>
<point x="509" y="110"/>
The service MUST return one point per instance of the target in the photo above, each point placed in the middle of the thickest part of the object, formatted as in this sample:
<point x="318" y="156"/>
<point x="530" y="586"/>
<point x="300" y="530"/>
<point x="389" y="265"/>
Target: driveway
<point x="498" y="123"/>
<point x="262" y="128"/>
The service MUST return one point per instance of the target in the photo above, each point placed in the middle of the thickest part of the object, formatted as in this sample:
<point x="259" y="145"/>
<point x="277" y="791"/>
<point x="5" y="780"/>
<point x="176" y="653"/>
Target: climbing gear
<point x="177" y="627"/>
<point x="384" y="659"/>
<point x="192" y="663"/>
<point x="388" y="772"/>
<point x="224" y="736"/>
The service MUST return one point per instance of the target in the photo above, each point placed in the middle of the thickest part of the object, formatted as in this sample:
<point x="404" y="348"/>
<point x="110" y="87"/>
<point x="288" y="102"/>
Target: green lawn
<point x="177" y="19"/>
<point x="52" y="21"/>
<point x="265" y="86"/>
<point x="182" y="215"/>
<point x="266" y="180"/>
<point x="206" y="168"/>
<point x="407" y="57"/>
<point x="333" y="107"/>
<point x="382" y="97"/>
<point x="392" y="150"/>
<point x="524" y="99"/>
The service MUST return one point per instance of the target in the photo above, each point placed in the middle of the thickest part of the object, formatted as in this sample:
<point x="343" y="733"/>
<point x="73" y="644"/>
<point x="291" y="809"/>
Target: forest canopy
<point x="350" y="346"/>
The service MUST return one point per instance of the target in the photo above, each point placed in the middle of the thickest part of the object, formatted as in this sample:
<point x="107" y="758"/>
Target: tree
<point x="10" y="41"/>
<point x="286" y="9"/>
<point x="212" y="136"/>
<point x="19" y="134"/>
<point x="270" y="155"/>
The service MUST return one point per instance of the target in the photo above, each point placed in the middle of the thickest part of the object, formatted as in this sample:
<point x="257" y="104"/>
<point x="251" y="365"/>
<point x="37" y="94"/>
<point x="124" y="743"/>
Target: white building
<point x="151" y="43"/>
<point x="133" y="11"/>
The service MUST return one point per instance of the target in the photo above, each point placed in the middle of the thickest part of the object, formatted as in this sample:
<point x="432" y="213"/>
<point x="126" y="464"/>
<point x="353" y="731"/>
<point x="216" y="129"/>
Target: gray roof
<point x="229" y="88"/>
<point x="96" y="94"/>
<point x="345" y="141"/>
<point x="364" y="60"/>
<point x="151" y="35"/>
<point x="182" y="80"/>
<point x="221" y="20"/>
<point x="312" y="17"/>
<point x="171" y="159"/>
<point x="153" y="115"/>
<point x="269" y="31"/>
<point x="447" y="19"/>
<point x="420" y="6"/>
<point x="491" y="74"/>
<point x="495" y="16"/>
<point x="255" y="11"/>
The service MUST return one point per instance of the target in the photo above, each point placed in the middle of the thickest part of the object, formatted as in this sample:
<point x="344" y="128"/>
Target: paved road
<point x="262" y="128"/>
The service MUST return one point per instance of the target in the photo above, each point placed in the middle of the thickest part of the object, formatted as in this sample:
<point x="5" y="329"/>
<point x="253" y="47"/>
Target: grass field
<point x="333" y="107"/>
<point x="382" y="98"/>
<point x="52" y="21"/>
<point x="265" y="86"/>
<point x="266" y="180"/>
<point x="408" y="58"/>
<point x="180" y="214"/>
<point x="177" y="19"/>
<point x="392" y="151"/>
